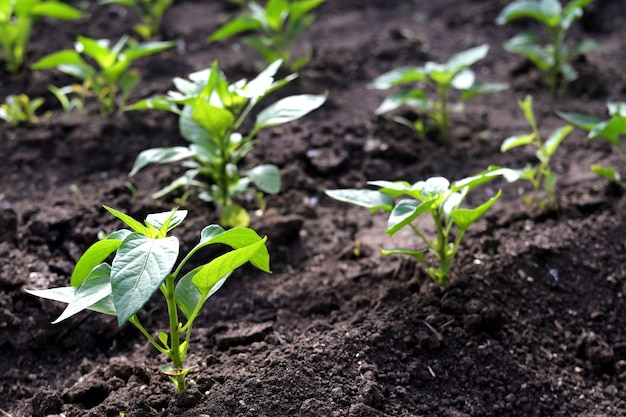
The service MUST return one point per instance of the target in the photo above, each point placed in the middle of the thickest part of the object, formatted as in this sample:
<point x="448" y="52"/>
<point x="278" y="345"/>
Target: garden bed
<point x="532" y="323"/>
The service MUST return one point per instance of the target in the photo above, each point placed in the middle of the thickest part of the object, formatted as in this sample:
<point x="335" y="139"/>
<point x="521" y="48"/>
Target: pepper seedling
<point x="143" y="263"/>
<point x="21" y="109"/>
<point x="16" y="21"/>
<point x="112" y="79"/>
<point x="454" y="74"/>
<point x="611" y="130"/>
<point x="275" y="29"/>
<point x="434" y="197"/>
<point x="541" y="176"/>
<point x="149" y="11"/>
<point x="211" y="111"/>
<point x="552" y="59"/>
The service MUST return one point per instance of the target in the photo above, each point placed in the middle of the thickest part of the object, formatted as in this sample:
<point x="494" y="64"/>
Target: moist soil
<point x="531" y="324"/>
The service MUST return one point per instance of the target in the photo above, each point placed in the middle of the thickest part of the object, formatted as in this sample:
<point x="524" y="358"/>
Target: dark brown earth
<point x="532" y="324"/>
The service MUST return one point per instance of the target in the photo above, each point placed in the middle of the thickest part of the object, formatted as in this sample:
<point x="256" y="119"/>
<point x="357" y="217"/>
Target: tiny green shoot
<point x="435" y="198"/>
<point x="16" y="21"/>
<point x="553" y="59"/>
<point x="111" y="79"/>
<point x="143" y="263"/>
<point x="274" y="29"/>
<point x="611" y="130"/>
<point x="211" y="112"/>
<point x="441" y="79"/>
<point x="20" y="108"/>
<point x="541" y="176"/>
<point x="149" y="11"/>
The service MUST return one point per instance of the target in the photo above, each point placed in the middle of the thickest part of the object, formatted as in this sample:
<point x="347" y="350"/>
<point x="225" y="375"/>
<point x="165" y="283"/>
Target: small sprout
<point x="541" y="175"/>
<point x="143" y="264"/>
<point x="611" y="130"/>
<point x="111" y="80"/>
<point x="553" y="59"/>
<point x="436" y="198"/>
<point x="211" y="111"/>
<point x="19" y="109"/>
<point x="149" y="11"/>
<point x="275" y="29"/>
<point x="454" y="74"/>
<point x="16" y="20"/>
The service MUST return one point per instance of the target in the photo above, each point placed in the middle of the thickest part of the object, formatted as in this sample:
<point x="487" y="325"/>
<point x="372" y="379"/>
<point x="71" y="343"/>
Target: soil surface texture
<point x="533" y="322"/>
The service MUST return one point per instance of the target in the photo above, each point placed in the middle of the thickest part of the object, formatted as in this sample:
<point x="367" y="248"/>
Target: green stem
<point x="135" y="321"/>
<point x="174" y="353"/>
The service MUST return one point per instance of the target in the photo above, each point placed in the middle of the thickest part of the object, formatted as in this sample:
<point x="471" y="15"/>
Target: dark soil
<point x="532" y="323"/>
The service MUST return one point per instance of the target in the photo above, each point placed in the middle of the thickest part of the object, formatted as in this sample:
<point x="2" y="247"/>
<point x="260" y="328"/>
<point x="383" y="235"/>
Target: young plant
<point x="436" y="198"/>
<point x="143" y="263"/>
<point x="275" y="29"/>
<point x="211" y="112"/>
<point x="454" y="74"/>
<point x="553" y="59"/>
<point x="611" y="130"/>
<point x="16" y="21"/>
<point x="111" y="79"/>
<point x="20" y="109"/>
<point x="541" y="176"/>
<point x="149" y="11"/>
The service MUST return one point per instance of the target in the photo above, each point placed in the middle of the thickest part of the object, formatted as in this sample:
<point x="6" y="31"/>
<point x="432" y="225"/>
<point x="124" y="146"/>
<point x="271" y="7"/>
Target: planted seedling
<point x="436" y="198"/>
<point x="211" y="112"/>
<point x="111" y="79"/>
<point x="149" y="11"/>
<point x="611" y="130"/>
<point x="16" y="21"/>
<point x="441" y="79"/>
<point x="274" y="29"/>
<point x="143" y="263"/>
<point x="553" y="59"/>
<point x="20" y="108"/>
<point x="541" y="176"/>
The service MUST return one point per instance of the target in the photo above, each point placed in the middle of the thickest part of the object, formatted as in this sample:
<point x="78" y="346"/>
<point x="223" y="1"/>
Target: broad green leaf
<point x="300" y="8"/>
<point x="143" y="49"/>
<point x="193" y="131"/>
<point x="606" y="172"/>
<point x="466" y="58"/>
<point x="288" y="109"/>
<point x="240" y="24"/>
<point x="93" y="257"/>
<point x="529" y="45"/>
<point x="482" y="177"/>
<point x="398" y="76"/>
<point x="129" y="221"/>
<point x="262" y="83"/>
<point x="160" y="156"/>
<point x="432" y="188"/>
<point x="265" y="177"/>
<point x="56" y="10"/>
<point x="158" y="220"/>
<point x="405" y="212"/>
<point x="544" y="11"/>
<point x="95" y="287"/>
<point x="234" y="215"/>
<point x="96" y="49"/>
<point x="66" y="295"/>
<point x="214" y="119"/>
<point x="393" y="188"/>
<point x="482" y="88"/>
<point x="517" y="140"/>
<point x="155" y="103"/>
<point x="67" y="57"/>
<point x="139" y="268"/>
<point x="555" y="139"/>
<point x="464" y="80"/>
<point x="188" y="296"/>
<point x="399" y="98"/>
<point x="586" y="46"/>
<point x="464" y="218"/>
<point x="371" y="199"/>
<point x="210" y="274"/>
<point x="582" y="121"/>
<point x="611" y="130"/>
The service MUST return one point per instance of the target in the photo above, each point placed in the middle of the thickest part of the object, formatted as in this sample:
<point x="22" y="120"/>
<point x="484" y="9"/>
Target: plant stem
<point x="174" y="353"/>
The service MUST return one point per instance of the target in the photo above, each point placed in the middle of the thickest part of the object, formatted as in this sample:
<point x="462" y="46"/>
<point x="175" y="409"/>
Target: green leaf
<point x="155" y="103"/>
<point x="66" y="57"/>
<point x="405" y="212"/>
<point x="143" y="49"/>
<point x="371" y="199"/>
<point x="171" y="218"/>
<point x="547" y="12"/>
<point x="464" y="218"/>
<point x="265" y="177"/>
<point x="482" y="177"/>
<point x="611" y="130"/>
<point x="410" y="96"/>
<point x="234" y="215"/>
<point x="139" y="268"/>
<point x="129" y="221"/>
<point x="464" y="80"/>
<point x="93" y="257"/>
<point x="56" y="10"/>
<point x="288" y="109"/>
<point x="188" y="297"/>
<point x="482" y="88"/>
<point x="582" y="121"/>
<point x="95" y="287"/>
<point x="398" y="76"/>
<point x="210" y="274"/>
<point x="214" y="119"/>
<point x="555" y="139"/>
<point x="466" y="58"/>
<point x="516" y="141"/>
<point x="160" y="156"/>
<point x="607" y="172"/>
<point x="240" y="24"/>
<point x="420" y="255"/>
